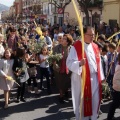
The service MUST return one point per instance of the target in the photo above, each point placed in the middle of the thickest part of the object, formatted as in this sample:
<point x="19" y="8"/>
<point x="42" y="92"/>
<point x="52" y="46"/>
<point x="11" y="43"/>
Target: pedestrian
<point x="112" y="59"/>
<point x="6" y="65"/>
<point x="62" y="75"/>
<point x="72" y="33"/>
<point x="94" y="76"/>
<point x="58" y="41"/>
<point x="47" y="39"/>
<point x="20" y="70"/>
<point x="116" y="92"/>
<point x="12" y="39"/>
<point x="101" y="39"/>
<point x="31" y="62"/>
<point x="44" y="68"/>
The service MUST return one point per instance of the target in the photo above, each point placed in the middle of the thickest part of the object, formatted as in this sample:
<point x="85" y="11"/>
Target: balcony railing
<point x="96" y="3"/>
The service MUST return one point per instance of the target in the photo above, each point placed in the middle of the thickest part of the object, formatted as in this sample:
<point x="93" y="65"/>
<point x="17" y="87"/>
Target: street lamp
<point x="60" y="5"/>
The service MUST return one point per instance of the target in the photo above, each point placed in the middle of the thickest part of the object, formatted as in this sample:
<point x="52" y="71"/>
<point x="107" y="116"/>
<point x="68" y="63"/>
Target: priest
<point x="93" y="79"/>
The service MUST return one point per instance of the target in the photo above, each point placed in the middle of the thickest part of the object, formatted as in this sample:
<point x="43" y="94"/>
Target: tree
<point x="86" y="4"/>
<point x="60" y="4"/>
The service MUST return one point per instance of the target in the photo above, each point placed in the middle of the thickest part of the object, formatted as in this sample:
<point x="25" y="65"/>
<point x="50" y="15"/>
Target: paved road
<point x="43" y="107"/>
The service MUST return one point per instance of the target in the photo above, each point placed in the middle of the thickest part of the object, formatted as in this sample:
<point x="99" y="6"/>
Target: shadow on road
<point x="53" y="109"/>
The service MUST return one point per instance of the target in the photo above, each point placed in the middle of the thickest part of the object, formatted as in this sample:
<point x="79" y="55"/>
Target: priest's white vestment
<point x="73" y="65"/>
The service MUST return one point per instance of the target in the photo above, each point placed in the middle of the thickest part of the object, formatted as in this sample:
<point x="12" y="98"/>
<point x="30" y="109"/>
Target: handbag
<point x="32" y="71"/>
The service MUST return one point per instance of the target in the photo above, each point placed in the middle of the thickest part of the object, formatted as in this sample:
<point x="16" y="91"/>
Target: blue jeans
<point x="110" y="82"/>
<point x="45" y="72"/>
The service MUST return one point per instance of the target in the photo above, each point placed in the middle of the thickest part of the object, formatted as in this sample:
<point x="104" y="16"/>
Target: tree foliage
<point x="84" y="6"/>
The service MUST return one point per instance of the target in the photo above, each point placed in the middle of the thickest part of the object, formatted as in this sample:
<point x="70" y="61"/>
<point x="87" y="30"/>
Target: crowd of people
<point x="23" y="64"/>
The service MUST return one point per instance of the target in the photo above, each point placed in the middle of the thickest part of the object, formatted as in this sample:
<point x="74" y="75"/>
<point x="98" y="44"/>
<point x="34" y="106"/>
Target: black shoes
<point x="41" y="88"/>
<point x="61" y="100"/>
<point x="67" y="94"/>
<point x="49" y="92"/>
<point x="18" y="100"/>
<point x="21" y="99"/>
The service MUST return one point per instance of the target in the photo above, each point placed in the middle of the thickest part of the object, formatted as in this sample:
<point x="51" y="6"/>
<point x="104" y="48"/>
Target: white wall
<point x="0" y="16"/>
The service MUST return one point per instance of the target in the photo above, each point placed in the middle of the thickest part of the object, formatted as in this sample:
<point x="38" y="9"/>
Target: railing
<point x="96" y="3"/>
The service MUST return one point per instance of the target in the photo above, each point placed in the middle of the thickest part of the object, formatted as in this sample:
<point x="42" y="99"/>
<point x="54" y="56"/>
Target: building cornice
<point x="111" y="2"/>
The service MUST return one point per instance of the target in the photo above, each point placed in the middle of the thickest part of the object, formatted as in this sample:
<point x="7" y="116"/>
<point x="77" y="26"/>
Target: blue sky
<point x="7" y="2"/>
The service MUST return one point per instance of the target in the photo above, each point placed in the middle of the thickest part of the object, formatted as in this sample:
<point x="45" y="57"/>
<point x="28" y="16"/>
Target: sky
<point x="7" y="2"/>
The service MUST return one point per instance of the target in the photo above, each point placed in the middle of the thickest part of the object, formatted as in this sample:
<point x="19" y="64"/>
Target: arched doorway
<point x="96" y="18"/>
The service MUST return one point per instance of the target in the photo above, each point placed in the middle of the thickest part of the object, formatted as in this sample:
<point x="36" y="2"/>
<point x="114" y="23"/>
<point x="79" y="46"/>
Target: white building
<point x="47" y="10"/>
<point x="0" y="16"/>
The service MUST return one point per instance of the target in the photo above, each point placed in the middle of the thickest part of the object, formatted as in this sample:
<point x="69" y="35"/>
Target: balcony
<point x="96" y="3"/>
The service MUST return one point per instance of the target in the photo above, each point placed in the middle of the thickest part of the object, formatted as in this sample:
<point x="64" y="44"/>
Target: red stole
<point x="87" y="90"/>
<point x="63" y="67"/>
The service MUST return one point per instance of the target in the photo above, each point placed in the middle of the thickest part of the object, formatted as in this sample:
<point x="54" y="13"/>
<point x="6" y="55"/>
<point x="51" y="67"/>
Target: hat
<point x="60" y="34"/>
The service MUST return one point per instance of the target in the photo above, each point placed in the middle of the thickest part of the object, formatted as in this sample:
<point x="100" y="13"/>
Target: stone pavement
<point x="43" y="107"/>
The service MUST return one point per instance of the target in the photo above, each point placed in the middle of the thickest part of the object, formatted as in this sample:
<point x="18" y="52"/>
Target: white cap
<point x="60" y="34"/>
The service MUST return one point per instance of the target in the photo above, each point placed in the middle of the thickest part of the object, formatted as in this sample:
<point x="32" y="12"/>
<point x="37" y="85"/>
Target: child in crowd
<point x="6" y="65"/>
<point x="20" y="70"/>
<point x="44" y="68"/>
<point x="31" y="62"/>
<point x="104" y="59"/>
<point x="112" y="59"/>
<point x="116" y="91"/>
<point x="101" y="39"/>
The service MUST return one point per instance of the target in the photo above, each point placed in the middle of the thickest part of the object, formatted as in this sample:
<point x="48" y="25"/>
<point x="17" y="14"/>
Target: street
<point x="43" y="107"/>
<point x="53" y="39"/>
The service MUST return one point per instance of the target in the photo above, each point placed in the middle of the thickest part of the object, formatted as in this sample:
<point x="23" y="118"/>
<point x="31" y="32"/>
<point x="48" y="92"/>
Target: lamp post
<point x="60" y="5"/>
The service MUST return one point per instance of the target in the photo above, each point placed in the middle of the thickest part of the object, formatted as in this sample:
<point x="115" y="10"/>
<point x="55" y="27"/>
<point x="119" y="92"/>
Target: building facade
<point x="0" y="16"/>
<point x="95" y="13"/>
<point x="111" y="12"/>
<point x="18" y="10"/>
<point x="17" y="6"/>
<point x="11" y="17"/>
<point x="69" y="15"/>
<point x="53" y="11"/>
<point x="34" y="10"/>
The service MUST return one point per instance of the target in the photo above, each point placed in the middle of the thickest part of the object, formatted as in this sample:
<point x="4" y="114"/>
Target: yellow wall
<point x="111" y="10"/>
<point x="72" y="15"/>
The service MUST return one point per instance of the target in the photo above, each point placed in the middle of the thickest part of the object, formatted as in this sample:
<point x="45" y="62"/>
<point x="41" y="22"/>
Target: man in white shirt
<point x="47" y="39"/>
<point x="94" y="75"/>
